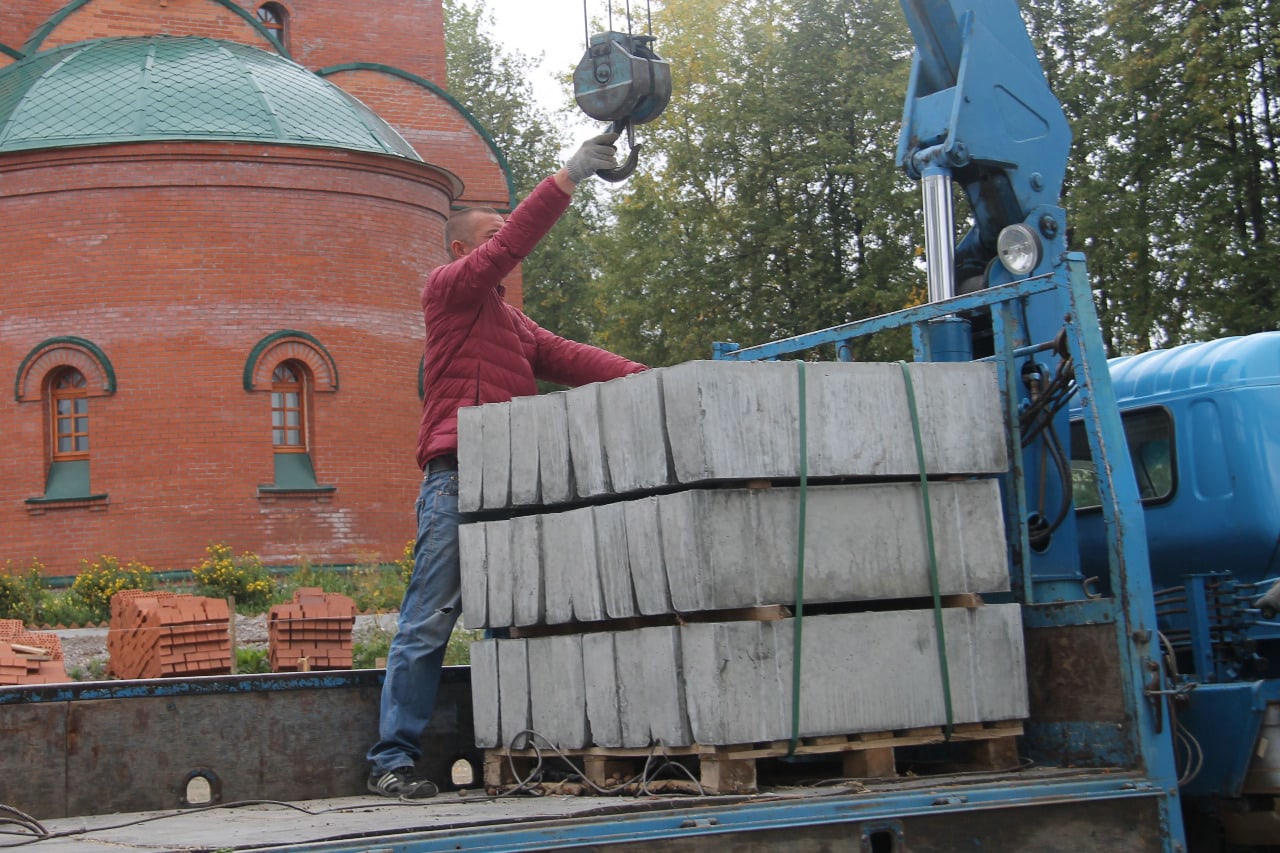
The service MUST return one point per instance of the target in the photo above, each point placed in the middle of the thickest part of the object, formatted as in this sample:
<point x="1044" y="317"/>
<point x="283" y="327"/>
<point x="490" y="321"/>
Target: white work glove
<point x="596" y="153"/>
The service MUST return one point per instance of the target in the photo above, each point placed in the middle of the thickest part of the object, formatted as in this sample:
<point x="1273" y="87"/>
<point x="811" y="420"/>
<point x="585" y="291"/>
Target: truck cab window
<point x="1149" y="434"/>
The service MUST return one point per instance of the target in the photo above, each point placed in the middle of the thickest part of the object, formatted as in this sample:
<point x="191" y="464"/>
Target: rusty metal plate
<point x="134" y="746"/>
<point x="1074" y="674"/>
<point x="32" y="760"/>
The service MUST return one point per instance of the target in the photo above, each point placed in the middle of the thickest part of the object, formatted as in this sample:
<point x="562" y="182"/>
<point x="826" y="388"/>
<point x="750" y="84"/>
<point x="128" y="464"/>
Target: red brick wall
<point x="407" y="34"/>
<point x="20" y="18"/>
<point x="176" y="259"/>
<point x="436" y="130"/>
<point x="112" y="18"/>
<point x="442" y="136"/>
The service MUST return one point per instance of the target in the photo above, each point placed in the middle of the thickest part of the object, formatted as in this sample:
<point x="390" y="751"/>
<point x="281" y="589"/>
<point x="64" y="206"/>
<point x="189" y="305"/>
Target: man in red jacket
<point x="479" y="350"/>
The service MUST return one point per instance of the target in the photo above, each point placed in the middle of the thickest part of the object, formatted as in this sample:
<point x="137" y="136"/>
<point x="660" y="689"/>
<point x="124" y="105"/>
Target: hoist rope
<point x="586" y="21"/>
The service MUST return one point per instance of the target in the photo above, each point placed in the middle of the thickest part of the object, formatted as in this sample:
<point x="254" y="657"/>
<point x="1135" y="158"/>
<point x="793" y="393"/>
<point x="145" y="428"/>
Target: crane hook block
<point x="621" y="79"/>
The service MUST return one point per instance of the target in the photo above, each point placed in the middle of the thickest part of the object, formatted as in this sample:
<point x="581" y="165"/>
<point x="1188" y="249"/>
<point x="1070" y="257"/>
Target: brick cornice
<point x="232" y="164"/>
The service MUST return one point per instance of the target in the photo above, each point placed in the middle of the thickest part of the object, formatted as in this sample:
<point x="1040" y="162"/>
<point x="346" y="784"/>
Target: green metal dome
<point x="165" y="88"/>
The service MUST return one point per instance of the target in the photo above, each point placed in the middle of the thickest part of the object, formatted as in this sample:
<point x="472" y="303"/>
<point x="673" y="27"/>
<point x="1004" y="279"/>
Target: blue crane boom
<point x="979" y="111"/>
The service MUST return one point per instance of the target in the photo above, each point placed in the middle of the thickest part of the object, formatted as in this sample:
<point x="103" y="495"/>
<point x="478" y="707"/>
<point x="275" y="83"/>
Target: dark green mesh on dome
<point x="164" y="87"/>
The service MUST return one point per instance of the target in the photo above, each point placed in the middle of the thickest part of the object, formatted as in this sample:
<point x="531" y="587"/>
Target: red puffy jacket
<point x="480" y="349"/>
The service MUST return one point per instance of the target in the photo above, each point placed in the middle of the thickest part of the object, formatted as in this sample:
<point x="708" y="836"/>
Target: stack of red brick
<point x="314" y="632"/>
<point x="163" y="635"/>
<point x="29" y="657"/>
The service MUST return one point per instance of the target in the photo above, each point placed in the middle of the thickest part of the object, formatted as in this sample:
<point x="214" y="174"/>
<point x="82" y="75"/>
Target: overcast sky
<point x="552" y="28"/>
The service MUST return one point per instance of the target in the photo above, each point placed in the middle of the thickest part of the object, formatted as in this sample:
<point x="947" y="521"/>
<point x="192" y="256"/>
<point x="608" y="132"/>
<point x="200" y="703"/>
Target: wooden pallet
<point x="744" y="768"/>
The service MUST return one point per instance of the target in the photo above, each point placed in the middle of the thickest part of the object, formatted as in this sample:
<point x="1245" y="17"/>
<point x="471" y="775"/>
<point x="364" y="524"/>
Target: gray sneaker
<point x="403" y="782"/>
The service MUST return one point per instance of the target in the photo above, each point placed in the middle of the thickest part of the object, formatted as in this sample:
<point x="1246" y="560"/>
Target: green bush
<point x="251" y="660"/>
<point x="66" y="609"/>
<point x="94" y="670"/>
<point x="458" y="652"/>
<point x="365" y="653"/>
<point x="100" y="580"/>
<point x="405" y="563"/>
<point x="374" y="587"/>
<point x="221" y="574"/>
<point x="22" y="593"/>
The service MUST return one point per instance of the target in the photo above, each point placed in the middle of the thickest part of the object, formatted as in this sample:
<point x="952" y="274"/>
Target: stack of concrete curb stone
<point x="625" y="530"/>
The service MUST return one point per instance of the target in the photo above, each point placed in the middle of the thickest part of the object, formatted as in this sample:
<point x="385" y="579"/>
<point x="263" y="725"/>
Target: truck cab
<point x="1202" y="424"/>
<point x="1203" y="433"/>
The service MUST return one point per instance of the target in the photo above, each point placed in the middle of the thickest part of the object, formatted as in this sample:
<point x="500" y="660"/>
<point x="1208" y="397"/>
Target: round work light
<point x="1018" y="248"/>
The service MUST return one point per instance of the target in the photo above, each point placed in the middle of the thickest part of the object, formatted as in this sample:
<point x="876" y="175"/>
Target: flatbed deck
<point x="787" y="818"/>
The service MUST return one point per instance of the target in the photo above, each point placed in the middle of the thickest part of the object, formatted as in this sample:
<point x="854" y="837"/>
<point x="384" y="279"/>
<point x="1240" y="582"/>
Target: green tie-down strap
<point x="933" y="554"/>
<point x="799" y="614"/>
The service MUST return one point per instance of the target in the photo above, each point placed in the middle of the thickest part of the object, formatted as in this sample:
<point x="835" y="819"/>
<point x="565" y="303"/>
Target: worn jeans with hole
<point x="432" y="603"/>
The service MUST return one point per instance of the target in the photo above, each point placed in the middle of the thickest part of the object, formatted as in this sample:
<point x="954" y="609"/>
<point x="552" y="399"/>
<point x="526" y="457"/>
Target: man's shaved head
<point x="462" y="225"/>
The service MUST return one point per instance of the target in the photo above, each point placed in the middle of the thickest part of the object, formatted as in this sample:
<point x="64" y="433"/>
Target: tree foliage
<point x="767" y="202"/>
<point x="1177" y="197"/>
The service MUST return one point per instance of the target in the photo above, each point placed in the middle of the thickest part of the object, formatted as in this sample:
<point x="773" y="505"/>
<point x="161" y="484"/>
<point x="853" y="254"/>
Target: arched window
<point x="62" y="375"/>
<point x="295" y="472"/>
<point x="275" y="19"/>
<point x="289" y="408"/>
<point x="69" y="415"/>
<point x="293" y="367"/>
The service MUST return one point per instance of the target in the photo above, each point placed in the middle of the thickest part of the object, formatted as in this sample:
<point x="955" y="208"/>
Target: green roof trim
<point x="8" y="51"/>
<point x="162" y="88"/>
<point x="42" y="32"/>
<point x="95" y="352"/>
<point x="454" y="102"/>
<point x="255" y="354"/>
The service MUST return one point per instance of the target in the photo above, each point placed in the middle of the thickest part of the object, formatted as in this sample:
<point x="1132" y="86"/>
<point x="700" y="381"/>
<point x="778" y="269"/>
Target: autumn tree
<point x="767" y="202"/>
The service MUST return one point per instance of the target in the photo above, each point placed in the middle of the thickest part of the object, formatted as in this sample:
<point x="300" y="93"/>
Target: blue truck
<point x="1143" y="526"/>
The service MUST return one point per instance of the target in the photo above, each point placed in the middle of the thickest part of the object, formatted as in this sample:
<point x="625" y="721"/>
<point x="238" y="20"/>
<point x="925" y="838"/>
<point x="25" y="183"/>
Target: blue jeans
<point x="431" y="606"/>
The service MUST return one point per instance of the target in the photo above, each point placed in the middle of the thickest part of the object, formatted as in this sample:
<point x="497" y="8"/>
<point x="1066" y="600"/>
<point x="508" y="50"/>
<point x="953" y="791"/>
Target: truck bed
<point x="1036" y="808"/>
<point x="103" y="766"/>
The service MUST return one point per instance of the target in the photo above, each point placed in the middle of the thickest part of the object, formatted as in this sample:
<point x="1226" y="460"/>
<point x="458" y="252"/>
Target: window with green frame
<point x="68" y="418"/>
<point x="291" y="429"/>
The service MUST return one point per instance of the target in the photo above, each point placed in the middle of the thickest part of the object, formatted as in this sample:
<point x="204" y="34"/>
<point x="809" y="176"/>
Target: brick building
<point x="215" y="220"/>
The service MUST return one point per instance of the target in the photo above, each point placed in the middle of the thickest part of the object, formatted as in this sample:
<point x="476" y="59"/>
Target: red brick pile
<point x="165" y="635"/>
<point x="29" y="657"/>
<point x="314" y="632"/>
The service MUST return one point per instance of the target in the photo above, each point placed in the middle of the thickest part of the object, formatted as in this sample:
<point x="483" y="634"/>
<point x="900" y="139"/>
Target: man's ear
<point x="457" y="249"/>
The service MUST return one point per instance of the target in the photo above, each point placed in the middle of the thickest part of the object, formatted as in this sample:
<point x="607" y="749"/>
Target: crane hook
<point x="621" y="173"/>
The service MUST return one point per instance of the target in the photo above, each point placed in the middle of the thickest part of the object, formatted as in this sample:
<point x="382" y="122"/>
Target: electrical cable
<point x="10" y="815"/>
<point x="1182" y="735"/>
<point x="641" y="780"/>
<point x="1053" y="447"/>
